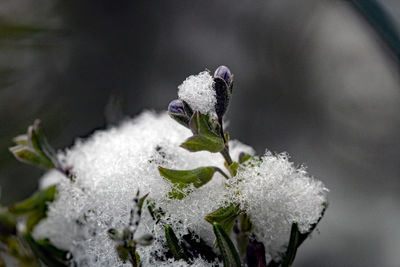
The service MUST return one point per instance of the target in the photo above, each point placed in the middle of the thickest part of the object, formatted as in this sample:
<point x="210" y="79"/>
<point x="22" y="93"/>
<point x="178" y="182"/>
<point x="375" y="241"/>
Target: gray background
<point x="311" y="78"/>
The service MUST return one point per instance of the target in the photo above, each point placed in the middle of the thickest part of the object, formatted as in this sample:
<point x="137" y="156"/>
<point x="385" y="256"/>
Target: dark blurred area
<point x="313" y="78"/>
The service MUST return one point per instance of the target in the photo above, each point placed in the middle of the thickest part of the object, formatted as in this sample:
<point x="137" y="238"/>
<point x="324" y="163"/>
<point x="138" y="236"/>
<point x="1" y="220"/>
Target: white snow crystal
<point x="110" y="167"/>
<point x="113" y="164"/>
<point x="275" y="194"/>
<point x="198" y="92"/>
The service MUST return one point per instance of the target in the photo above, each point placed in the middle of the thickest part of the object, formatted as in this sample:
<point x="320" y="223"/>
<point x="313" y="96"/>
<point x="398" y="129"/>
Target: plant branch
<point x="225" y="153"/>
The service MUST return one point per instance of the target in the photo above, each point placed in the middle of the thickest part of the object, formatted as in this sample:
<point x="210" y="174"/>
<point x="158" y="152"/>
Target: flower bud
<point x="223" y="84"/>
<point x="225" y="74"/>
<point x="180" y="111"/>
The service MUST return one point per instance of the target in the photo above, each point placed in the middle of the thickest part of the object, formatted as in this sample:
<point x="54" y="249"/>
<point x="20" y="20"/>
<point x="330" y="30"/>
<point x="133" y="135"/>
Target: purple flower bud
<point x="225" y="74"/>
<point x="255" y="255"/>
<point x="176" y="107"/>
<point x="223" y="84"/>
<point x="180" y="111"/>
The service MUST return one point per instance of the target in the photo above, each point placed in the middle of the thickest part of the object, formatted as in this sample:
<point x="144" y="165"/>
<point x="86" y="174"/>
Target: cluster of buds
<point x="180" y="110"/>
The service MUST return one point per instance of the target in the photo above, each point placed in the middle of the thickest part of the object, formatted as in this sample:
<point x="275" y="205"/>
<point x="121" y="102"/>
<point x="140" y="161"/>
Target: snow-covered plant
<point x="209" y="201"/>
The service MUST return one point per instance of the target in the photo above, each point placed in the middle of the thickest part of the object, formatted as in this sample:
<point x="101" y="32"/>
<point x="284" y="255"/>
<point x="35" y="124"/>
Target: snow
<point x="111" y="165"/>
<point x="198" y="92"/>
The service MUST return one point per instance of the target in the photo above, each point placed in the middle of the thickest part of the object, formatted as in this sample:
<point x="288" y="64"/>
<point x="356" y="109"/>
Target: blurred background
<point x="316" y="78"/>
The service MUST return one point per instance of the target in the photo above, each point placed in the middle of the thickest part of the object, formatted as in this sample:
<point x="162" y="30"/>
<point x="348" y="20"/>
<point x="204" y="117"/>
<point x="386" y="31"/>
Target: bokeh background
<point x="313" y="78"/>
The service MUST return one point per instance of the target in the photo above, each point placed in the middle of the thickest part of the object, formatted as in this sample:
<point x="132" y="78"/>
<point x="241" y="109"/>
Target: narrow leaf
<point x="39" y="142"/>
<point x="176" y="249"/>
<point x="7" y="223"/>
<point x="292" y="247"/>
<point x="34" y="149"/>
<point x="244" y="157"/>
<point x="224" y="216"/>
<point x="35" y="217"/>
<point x="137" y="258"/>
<point x="21" y="140"/>
<point x="198" y="247"/>
<point x="27" y="155"/>
<point x="140" y="203"/>
<point x="233" y="168"/>
<point x="48" y="253"/>
<point x="228" y="251"/>
<point x="144" y="239"/>
<point x="36" y="201"/>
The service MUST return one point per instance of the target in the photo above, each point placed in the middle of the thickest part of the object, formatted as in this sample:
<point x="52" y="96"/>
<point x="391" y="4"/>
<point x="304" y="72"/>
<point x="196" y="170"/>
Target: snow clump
<point x="198" y="92"/>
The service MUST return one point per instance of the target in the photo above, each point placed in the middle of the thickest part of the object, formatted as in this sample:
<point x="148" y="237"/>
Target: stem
<point x="221" y="172"/>
<point x="221" y="129"/>
<point x="225" y="153"/>
<point x="132" y="252"/>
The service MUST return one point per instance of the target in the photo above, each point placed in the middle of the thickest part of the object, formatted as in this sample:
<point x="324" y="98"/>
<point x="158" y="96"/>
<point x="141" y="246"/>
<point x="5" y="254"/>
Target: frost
<point x="198" y="92"/>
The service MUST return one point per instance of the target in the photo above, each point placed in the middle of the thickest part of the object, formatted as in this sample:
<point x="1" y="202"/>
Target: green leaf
<point x="297" y="238"/>
<point x="224" y="216"/>
<point x="27" y="155"/>
<point x="137" y="258"/>
<point x="48" y="253"/>
<point x="123" y="253"/>
<point x="244" y="157"/>
<point x="201" y="143"/>
<point x="156" y="212"/>
<point x="226" y="137"/>
<point x="292" y="247"/>
<point x="243" y="234"/>
<point x="197" y="177"/>
<point x="228" y="251"/>
<point x="233" y="168"/>
<point x="200" y="124"/>
<point x="38" y="141"/>
<point x="197" y="246"/>
<point x="144" y="239"/>
<point x="7" y="223"/>
<point x="174" y="246"/>
<point x="35" y="217"/>
<point x="21" y="140"/>
<point x="245" y="223"/>
<point x="204" y="138"/>
<point x="34" y="149"/>
<point x="36" y="201"/>
<point x="115" y="235"/>
<point x="140" y="202"/>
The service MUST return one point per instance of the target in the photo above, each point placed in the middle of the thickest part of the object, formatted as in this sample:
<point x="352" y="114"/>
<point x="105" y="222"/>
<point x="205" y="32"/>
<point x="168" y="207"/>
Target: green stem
<point x="221" y="172"/>
<point x="225" y="153"/>
<point x="134" y="260"/>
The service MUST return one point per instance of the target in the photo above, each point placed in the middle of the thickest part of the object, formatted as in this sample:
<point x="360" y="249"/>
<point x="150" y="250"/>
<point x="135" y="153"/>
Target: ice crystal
<point x="109" y="168"/>
<point x="275" y="194"/>
<point x="198" y="92"/>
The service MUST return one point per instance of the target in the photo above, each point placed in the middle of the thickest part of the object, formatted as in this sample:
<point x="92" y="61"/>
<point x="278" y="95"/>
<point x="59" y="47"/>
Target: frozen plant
<point x="209" y="201"/>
